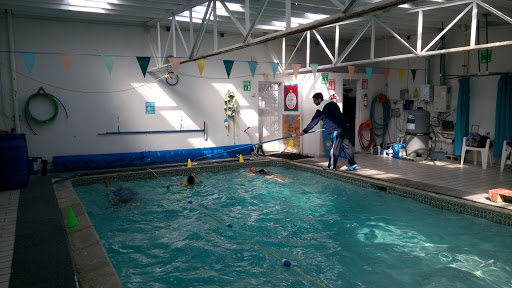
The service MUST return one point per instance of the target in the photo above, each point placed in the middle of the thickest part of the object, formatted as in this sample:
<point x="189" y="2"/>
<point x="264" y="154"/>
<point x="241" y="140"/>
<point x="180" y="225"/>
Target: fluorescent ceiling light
<point x="86" y="9"/>
<point x="301" y="20"/>
<point x="315" y="16"/>
<point x="186" y="19"/>
<point x="268" y="27"/>
<point x="283" y="24"/>
<point x="408" y="5"/>
<point x="89" y="4"/>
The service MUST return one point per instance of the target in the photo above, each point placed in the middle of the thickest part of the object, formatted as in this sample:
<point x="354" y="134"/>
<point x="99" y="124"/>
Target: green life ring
<point x="51" y="98"/>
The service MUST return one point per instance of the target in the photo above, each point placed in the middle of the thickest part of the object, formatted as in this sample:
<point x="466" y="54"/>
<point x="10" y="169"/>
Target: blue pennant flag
<point x="228" y="64"/>
<point x="29" y="59"/>
<point x="144" y="63"/>
<point x="274" y="66"/>
<point x="369" y="71"/>
<point x="252" y="66"/>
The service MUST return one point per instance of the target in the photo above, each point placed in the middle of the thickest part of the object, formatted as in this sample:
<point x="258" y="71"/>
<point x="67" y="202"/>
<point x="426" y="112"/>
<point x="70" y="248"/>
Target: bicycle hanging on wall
<point x="171" y="78"/>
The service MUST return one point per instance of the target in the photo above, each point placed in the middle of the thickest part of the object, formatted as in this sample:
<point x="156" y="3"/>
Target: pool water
<point x="333" y="233"/>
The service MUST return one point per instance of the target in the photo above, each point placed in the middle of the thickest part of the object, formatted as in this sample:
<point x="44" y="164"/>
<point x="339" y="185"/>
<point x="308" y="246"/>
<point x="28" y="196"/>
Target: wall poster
<point x="291" y="126"/>
<point x="291" y="94"/>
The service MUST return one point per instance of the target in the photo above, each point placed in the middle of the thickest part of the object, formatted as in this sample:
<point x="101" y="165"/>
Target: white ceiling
<point x="149" y="12"/>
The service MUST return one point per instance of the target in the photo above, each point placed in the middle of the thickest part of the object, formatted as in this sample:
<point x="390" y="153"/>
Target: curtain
<point x="503" y="124"/>
<point x="462" y="120"/>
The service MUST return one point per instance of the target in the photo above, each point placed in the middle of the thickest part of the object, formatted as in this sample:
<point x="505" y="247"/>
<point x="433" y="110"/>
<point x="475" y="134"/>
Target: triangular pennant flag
<point x="401" y="74"/>
<point x="314" y="67"/>
<point x="144" y="63"/>
<point x="252" y="67"/>
<point x="228" y="64"/>
<point x="351" y="70"/>
<point x="175" y="64"/>
<point x="200" y="65"/>
<point x="29" y="59"/>
<point x="369" y="71"/>
<point x="386" y="74"/>
<point x="296" y="68"/>
<point x="67" y="61"/>
<point x="109" y="62"/>
<point x="413" y="71"/>
<point x="274" y="67"/>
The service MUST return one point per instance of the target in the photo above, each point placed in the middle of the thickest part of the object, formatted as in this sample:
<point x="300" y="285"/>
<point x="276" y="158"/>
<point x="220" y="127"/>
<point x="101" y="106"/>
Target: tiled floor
<point x="468" y="182"/>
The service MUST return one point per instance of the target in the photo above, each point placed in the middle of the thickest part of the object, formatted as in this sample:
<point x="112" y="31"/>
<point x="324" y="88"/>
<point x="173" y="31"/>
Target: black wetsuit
<point x="262" y="172"/>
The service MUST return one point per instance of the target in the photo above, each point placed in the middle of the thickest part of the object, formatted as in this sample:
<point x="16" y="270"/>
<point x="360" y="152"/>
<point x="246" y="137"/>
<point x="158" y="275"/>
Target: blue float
<point x="189" y="201"/>
<point x="286" y="263"/>
<point x="229" y="225"/>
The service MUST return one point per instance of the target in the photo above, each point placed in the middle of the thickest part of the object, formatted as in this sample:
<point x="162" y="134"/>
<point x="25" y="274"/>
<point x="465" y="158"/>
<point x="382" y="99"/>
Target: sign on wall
<point x="331" y="85"/>
<point x="485" y="56"/>
<point x="247" y="85"/>
<point x="364" y="84"/>
<point x="325" y="78"/>
<point x="291" y="126"/>
<point x="150" y="107"/>
<point x="291" y="93"/>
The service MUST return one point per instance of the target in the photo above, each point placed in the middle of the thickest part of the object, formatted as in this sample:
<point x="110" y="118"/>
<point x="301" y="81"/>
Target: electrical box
<point x="426" y="92"/>
<point x="441" y="99"/>
<point x="395" y="112"/>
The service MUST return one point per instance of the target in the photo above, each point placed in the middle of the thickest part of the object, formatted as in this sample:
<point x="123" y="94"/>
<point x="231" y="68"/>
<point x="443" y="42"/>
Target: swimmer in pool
<point x="191" y="179"/>
<point x="124" y="195"/>
<point x="266" y="173"/>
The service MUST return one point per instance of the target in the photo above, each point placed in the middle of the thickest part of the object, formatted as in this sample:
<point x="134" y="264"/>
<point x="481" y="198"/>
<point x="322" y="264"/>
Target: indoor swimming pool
<point x="333" y="233"/>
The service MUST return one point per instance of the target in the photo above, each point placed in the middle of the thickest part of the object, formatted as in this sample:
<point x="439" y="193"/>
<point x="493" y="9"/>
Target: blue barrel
<point x="14" y="169"/>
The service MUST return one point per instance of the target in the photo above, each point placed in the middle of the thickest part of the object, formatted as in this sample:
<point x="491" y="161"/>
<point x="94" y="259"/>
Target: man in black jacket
<point x="335" y="125"/>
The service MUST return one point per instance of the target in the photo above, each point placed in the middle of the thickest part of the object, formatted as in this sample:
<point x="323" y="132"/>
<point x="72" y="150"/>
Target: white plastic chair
<point x="486" y="154"/>
<point x="505" y="152"/>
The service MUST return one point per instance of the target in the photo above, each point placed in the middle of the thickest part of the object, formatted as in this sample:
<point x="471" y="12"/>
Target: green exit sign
<point x="247" y="85"/>
<point x="325" y="78"/>
<point x="485" y="56"/>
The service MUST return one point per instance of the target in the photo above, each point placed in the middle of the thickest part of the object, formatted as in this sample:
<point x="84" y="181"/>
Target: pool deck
<point x="469" y="182"/>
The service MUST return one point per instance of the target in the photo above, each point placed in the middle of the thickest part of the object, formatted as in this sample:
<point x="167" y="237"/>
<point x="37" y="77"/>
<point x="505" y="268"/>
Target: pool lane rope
<point x="253" y="145"/>
<point x="284" y="262"/>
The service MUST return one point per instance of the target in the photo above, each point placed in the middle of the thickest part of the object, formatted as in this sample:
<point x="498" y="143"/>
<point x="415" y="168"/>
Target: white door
<point x="269" y="119"/>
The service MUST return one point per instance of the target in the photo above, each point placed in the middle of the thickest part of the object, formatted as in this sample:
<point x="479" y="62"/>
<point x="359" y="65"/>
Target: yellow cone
<point x="241" y="158"/>
<point x="71" y="218"/>
<point x="290" y="144"/>
<point x="189" y="163"/>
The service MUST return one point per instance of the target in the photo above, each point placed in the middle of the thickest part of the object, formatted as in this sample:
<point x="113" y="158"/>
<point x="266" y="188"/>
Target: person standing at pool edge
<point x="335" y="125"/>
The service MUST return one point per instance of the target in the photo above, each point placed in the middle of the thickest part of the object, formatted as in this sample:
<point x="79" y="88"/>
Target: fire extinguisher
<point x="365" y="100"/>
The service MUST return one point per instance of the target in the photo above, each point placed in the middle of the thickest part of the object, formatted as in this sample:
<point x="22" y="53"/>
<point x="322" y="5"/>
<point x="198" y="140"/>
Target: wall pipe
<point x="13" y="74"/>
<point x="157" y="132"/>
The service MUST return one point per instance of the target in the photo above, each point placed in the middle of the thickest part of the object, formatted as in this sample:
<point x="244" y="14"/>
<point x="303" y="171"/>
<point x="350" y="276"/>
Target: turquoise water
<point x="335" y="234"/>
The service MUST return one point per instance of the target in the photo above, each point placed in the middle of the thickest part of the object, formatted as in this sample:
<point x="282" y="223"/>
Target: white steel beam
<point x="295" y="50"/>
<point x="190" y="4"/>
<point x="283" y="54"/>
<point x="288" y="14"/>
<point x="338" y="4"/>
<point x="498" y="13"/>
<point x="181" y="36"/>
<point x="191" y="27"/>
<point x="396" y="36"/>
<point x="447" y="28"/>
<point x="173" y="29"/>
<point x="474" y="18"/>
<point x="200" y="34"/>
<point x="372" y="44"/>
<point x="215" y="34"/>
<point x="237" y="24"/>
<point x="420" y="31"/>
<point x="349" y="7"/>
<point x="354" y="41"/>
<point x="308" y="49"/>
<point x="247" y="15"/>
<point x="258" y="15"/>
<point x="337" y="41"/>
<point x="159" y="59"/>
<point x="324" y="46"/>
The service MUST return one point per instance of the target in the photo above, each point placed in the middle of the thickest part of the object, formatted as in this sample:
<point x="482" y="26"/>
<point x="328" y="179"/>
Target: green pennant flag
<point x="314" y="67"/>
<point x="144" y="63"/>
<point x="109" y="62"/>
<point x="228" y="64"/>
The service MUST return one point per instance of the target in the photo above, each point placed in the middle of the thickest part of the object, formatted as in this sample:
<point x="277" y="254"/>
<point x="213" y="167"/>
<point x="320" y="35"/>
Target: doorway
<point x="269" y="116"/>
<point x="349" y="107"/>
